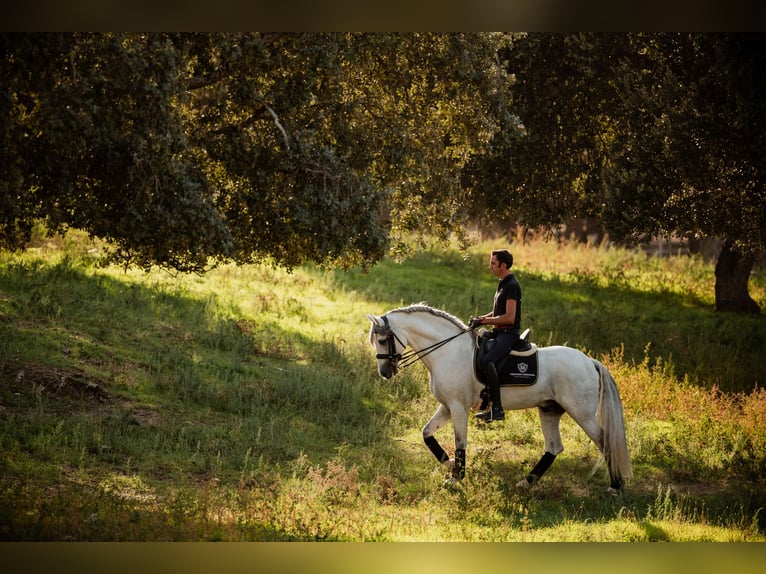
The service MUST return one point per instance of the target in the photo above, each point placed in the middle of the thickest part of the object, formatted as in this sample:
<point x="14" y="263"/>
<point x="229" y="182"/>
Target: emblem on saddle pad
<point x="518" y="368"/>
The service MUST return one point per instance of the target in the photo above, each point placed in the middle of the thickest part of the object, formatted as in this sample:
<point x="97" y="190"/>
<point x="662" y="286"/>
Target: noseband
<point x="410" y="357"/>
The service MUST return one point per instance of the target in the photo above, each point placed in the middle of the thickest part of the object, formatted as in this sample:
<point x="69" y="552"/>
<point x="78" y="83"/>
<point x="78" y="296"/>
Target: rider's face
<point x="494" y="266"/>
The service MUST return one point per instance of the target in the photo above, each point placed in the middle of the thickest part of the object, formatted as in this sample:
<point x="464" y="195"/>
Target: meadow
<point x="245" y="404"/>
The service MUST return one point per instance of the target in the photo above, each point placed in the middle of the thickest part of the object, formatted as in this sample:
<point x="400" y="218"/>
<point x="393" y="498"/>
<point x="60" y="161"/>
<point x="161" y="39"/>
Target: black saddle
<point x="519" y="367"/>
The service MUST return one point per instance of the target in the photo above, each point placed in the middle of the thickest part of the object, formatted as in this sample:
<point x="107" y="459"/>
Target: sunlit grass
<point x="245" y="404"/>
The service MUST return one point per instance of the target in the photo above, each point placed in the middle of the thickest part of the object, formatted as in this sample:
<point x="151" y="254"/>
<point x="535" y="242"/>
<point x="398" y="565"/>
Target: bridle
<point x="410" y="357"/>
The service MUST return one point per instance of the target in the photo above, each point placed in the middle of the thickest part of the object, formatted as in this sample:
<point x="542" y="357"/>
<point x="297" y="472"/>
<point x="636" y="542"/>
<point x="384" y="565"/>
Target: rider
<point x="506" y="319"/>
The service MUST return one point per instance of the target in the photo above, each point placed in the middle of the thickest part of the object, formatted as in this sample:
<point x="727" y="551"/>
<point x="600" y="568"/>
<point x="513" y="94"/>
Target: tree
<point x="185" y="148"/>
<point x="714" y="138"/>
<point x="650" y="133"/>
<point x="92" y="138"/>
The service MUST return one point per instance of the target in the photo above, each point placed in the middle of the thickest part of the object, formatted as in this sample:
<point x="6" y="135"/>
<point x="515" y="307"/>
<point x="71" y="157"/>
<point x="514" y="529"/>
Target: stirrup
<point x="491" y="414"/>
<point x="483" y="414"/>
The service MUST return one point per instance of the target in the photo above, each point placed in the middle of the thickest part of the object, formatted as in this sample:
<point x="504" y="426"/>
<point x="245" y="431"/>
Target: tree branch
<point x="278" y="124"/>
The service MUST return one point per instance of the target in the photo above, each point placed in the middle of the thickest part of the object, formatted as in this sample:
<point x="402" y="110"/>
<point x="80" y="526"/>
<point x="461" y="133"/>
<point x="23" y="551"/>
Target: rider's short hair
<point x="504" y="256"/>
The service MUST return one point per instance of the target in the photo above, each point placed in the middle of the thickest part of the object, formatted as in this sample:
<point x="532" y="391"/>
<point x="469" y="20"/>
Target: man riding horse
<point x="506" y="320"/>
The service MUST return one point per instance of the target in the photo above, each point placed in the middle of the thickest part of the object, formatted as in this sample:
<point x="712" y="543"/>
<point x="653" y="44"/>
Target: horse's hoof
<point x="449" y="465"/>
<point x="527" y="482"/>
<point x="614" y="491"/>
<point x="451" y="483"/>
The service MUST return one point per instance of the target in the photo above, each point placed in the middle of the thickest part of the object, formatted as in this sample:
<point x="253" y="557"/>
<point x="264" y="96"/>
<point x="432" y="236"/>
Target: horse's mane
<point x="424" y="308"/>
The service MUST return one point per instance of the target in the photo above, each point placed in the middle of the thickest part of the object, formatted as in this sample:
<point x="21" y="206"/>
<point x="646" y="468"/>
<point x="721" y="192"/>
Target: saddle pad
<point x="518" y="370"/>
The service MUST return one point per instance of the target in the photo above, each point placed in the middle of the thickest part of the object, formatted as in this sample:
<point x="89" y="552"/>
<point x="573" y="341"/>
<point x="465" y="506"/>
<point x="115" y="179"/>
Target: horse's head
<point x="387" y="344"/>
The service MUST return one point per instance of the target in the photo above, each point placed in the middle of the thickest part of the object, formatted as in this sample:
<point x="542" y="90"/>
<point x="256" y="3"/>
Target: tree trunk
<point x="732" y="272"/>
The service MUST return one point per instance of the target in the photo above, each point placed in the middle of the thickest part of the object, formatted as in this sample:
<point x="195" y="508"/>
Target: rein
<point x="410" y="357"/>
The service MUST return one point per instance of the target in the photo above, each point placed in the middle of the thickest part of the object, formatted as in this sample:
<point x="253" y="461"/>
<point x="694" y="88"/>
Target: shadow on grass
<point x="101" y="377"/>
<point x="567" y="493"/>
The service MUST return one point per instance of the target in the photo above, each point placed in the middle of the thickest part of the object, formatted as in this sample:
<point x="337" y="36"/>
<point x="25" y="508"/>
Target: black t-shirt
<point x="508" y="288"/>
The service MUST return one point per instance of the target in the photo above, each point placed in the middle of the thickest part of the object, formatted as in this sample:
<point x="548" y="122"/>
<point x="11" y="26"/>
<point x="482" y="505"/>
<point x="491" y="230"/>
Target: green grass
<point x="245" y="404"/>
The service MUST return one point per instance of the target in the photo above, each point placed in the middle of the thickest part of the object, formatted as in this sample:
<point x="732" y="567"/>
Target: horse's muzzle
<point x="388" y="370"/>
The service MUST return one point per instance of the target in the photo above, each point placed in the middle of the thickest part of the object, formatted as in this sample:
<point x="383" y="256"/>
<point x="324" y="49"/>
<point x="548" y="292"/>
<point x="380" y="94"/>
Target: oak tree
<point x="653" y="134"/>
<point x="186" y="149"/>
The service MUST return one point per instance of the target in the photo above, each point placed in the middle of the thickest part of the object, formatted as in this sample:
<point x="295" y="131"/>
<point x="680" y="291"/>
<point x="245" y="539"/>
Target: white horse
<point x="568" y="381"/>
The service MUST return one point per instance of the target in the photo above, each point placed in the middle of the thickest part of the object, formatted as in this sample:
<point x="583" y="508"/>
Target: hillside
<point x="245" y="404"/>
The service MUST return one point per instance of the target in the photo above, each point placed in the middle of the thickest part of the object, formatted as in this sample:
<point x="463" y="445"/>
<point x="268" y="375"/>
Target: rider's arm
<point x="508" y="318"/>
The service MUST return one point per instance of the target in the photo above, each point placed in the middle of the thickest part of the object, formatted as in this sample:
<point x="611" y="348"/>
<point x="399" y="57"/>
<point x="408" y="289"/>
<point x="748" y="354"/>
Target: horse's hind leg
<point x="550" y="416"/>
<point x="594" y="431"/>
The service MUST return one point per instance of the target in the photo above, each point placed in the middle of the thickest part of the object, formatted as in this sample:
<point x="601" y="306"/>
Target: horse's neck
<point x="424" y="329"/>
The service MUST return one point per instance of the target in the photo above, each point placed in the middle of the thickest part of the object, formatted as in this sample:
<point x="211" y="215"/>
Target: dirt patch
<point x="146" y="417"/>
<point x="73" y="390"/>
<point x="55" y="381"/>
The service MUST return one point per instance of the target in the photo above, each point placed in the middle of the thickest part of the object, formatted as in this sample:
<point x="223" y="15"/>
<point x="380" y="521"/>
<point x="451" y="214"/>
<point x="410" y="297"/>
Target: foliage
<point x="652" y="134"/>
<point x="245" y="404"/>
<point x="92" y="138"/>
<point x="178" y="148"/>
<point x="187" y="150"/>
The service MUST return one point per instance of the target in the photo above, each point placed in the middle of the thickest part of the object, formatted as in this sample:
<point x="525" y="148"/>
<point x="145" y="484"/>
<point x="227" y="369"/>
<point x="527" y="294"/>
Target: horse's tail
<point x="610" y="416"/>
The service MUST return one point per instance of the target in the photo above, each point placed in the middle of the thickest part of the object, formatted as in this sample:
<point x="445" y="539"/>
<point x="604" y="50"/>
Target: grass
<point x="245" y="404"/>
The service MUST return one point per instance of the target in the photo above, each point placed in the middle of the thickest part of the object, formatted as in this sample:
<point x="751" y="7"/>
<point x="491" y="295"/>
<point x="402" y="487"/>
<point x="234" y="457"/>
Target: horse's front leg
<point x="441" y="417"/>
<point x="460" y="424"/>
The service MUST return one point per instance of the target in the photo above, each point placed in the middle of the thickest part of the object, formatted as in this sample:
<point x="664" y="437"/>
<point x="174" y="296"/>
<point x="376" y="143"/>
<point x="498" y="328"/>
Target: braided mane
<point x="423" y="308"/>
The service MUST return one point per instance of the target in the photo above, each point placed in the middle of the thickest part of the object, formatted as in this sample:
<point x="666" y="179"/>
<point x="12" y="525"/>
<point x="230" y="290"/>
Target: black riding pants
<point x="504" y="342"/>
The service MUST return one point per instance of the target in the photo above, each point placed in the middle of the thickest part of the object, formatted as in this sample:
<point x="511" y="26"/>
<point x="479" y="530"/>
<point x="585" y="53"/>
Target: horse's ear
<point x="374" y="320"/>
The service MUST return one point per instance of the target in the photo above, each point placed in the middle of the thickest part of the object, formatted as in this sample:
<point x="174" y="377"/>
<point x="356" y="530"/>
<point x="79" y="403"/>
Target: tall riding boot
<point x="495" y="413"/>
